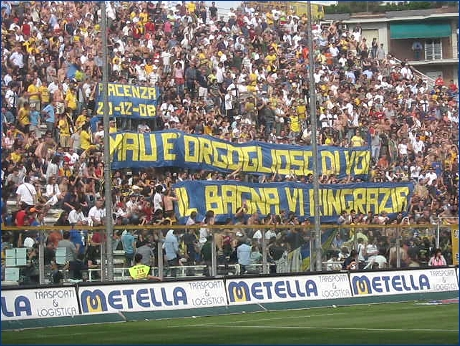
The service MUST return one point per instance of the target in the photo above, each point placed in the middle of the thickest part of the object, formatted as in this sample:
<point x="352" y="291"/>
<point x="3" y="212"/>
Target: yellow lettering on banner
<point x="257" y="202"/>
<point x="143" y="91"/>
<point x="346" y="154"/>
<point x="151" y="110"/>
<point x="264" y="199"/>
<point x="297" y="162"/>
<point x="220" y="160"/>
<point x="240" y="191"/>
<point x="308" y="157"/>
<point x="152" y="94"/>
<point x="348" y="198"/>
<point x="135" y="92"/>
<point x="277" y="155"/>
<point x="188" y="156"/>
<point x="362" y="159"/>
<point x="151" y="140"/>
<point x="260" y="160"/>
<point x="111" y="90"/>
<point x="390" y="200"/>
<point x="250" y="164"/>
<point x="324" y="203"/>
<point x="385" y="195"/>
<point x="213" y="199"/>
<point x="231" y="198"/>
<point x="336" y="162"/>
<point x="206" y="151"/>
<point x="183" y="202"/>
<point x="233" y="165"/>
<point x="334" y="201"/>
<point x="359" y="198"/>
<point x="324" y="167"/>
<point x="295" y="200"/>
<point x="271" y="199"/>
<point x="401" y="194"/>
<point x="147" y="110"/>
<point x="372" y="199"/>
<point x="115" y="143"/>
<point x="131" y="143"/>
<point x="119" y="90"/>
<point x="168" y="140"/>
<point x="127" y="91"/>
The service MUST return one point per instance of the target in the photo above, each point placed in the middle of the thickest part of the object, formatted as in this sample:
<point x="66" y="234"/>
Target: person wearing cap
<point x="141" y="271"/>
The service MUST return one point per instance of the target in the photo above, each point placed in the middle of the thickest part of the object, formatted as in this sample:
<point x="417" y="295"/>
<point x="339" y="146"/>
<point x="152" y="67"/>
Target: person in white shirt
<point x="76" y="215"/>
<point x="158" y="198"/>
<point x="402" y="148"/>
<point x="333" y="263"/>
<point x="380" y="259"/>
<point x="96" y="215"/>
<point x="26" y="193"/>
<point x="418" y="145"/>
<point x="361" y="250"/>
<point x="431" y="176"/>
<point x="17" y="58"/>
<point x="406" y="72"/>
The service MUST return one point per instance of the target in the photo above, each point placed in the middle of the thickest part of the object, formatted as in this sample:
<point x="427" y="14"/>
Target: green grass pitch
<point x="395" y="323"/>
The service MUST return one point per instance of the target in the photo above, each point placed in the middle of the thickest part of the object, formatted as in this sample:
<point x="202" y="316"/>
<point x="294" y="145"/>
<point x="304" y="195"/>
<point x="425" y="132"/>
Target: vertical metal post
<point x="265" y="264"/>
<point x="437" y="233"/>
<point x="107" y="168"/>
<point x="312" y="263"/>
<point x="41" y="257"/>
<point x="398" y="248"/>
<point x="213" y="256"/>
<point x="160" y="256"/>
<point x="312" y="108"/>
<point x="103" y="259"/>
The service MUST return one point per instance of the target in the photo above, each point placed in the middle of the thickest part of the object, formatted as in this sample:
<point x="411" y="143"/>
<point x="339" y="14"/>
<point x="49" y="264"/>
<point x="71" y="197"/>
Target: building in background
<point x="428" y="39"/>
<point x="297" y="8"/>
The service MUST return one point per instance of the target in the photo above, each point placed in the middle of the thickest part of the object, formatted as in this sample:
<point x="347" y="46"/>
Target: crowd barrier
<point x="224" y="295"/>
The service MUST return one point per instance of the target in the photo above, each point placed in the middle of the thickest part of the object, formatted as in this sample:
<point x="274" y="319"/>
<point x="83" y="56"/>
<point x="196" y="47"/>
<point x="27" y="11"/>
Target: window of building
<point x="433" y="49"/>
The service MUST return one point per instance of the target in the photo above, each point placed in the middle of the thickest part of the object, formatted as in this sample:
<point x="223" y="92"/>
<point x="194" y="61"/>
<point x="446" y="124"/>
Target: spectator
<point x="70" y="248"/>
<point x="243" y="252"/>
<point x="437" y="260"/>
<point x="171" y="249"/>
<point x="129" y="246"/>
<point x="141" y="271"/>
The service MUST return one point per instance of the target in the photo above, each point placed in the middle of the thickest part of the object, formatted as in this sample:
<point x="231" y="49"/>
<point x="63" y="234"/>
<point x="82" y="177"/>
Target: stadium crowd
<point x="239" y="78"/>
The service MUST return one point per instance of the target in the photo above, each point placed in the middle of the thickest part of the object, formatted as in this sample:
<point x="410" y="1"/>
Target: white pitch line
<point x="292" y="317"/>
<point x="343" y="328"/>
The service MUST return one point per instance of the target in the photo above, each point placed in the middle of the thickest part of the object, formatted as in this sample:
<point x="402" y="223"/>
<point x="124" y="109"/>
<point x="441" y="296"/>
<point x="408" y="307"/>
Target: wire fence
<point x="58" y="254"/>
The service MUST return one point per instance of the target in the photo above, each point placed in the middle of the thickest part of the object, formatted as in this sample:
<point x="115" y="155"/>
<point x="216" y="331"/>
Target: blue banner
<point x="128" y="101"/>
<point x="225" y="198"/>
<point x="175" y="148"/>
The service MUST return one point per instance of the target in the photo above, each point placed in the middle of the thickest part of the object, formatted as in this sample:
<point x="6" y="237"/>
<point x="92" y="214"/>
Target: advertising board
<point x="39" y="303"/>
<point x="152" y="296"/>
<point x="402" y="282"/>
<point x="285" y="289"/>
